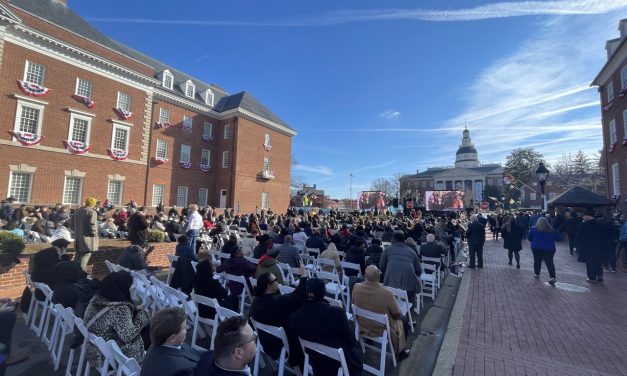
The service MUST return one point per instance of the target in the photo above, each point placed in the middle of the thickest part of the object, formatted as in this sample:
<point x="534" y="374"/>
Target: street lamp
<point x="542" y="174"/>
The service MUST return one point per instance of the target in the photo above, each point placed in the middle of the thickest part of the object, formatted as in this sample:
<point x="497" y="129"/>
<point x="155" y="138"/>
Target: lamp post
<point x="542" y="173"/>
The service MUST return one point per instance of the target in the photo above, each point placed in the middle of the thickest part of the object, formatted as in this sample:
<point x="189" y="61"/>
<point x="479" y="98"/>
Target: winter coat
<point x="270" y="264"/>
<point x="512" y="238"/>
<point x="85" y="225"/>
<point x="543" y="240"/>
<point x="591" y="240"/>
<point x="132" y="258"/>
<point x="400" y="267"/>
<point x="237" y="266"/>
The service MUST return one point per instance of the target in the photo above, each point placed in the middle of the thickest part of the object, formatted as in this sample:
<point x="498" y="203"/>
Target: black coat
<point x="591" y="241"/>
<point x="432" y="250"/>
<point x="183" y="276"/>
<point x="357" y="256"/>
<point x="476" y="234"/>
<point x="43" y="264"/>
<point x="317" y="321"/>
<point x="162" y="360"/>
<point x="513" y="238"/>
<point x="206" y="285"/>
<point x="138" y="229"/>
<point x="275" y="310"/>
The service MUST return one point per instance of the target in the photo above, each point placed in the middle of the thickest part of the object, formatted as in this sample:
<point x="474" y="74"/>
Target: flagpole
<point x="350" y="188"/>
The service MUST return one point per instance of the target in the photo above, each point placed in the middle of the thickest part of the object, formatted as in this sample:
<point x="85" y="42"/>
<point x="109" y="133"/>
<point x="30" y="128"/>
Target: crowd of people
<point x="387" y="250"/>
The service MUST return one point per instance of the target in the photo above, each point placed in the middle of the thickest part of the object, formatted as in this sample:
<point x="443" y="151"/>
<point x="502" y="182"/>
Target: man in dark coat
<point x="133" y="258"/>
<point x="476" y="238"/>
<point x="138" y="227"/>
<point x="316" y="241"/>
<point x="570" y="227"/>
<point x="318" y="321"/>
<point x="591" y="241"/>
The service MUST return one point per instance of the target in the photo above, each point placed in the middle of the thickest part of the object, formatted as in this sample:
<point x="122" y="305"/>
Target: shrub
<point x="11" y="243"/>
<point x="156" y="236"/>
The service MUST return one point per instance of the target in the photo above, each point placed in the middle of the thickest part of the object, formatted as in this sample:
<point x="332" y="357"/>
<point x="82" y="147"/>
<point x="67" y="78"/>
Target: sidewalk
<point x="514" y="324"/>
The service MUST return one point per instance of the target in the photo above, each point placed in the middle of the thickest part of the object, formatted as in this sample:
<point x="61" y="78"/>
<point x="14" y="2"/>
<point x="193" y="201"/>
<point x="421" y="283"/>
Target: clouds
<point x="390" y="115"/>
<point x="321" y="170"/>
<point x="482" y="12"/>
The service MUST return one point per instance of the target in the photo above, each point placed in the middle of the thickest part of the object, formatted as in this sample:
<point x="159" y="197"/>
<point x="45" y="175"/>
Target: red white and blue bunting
<point x="32" y="90"/>
<point x="162" y="125"/>
<point x="205" y="168"/>
<point x="622" y="93"/>
<point x="207" y="138"/>
<point x="84" y="100"/>
<point x="76" y="147"/>
<point x="267" y="147"/>
<point x="123" y="114"/>
<point x="186" y="165"/>
<point x="27" y="138"/>
<point x="117" y="154"/>
<point x="159" y="161"/>
<point x="187" y="128"/>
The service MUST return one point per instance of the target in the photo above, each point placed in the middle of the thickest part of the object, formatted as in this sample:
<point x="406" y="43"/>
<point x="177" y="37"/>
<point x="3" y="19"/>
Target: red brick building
<point x="612" y="83"/>
<point x="86" y="116"/>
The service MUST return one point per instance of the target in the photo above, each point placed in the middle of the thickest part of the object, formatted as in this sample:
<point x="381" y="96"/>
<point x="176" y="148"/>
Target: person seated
<point x="249" y="242"/>
<point x="318" y="321"/>
<point x="432" y="249"/>
<point x="235" y="349"/>
<point x="269" y="263"/>
<point x="374" y="252"/>
<point x="45" y="260"/>
<point x="173" y="229"/>
<point x="72" y="289"/>
<point x="356" y="255"/>
<point x="288" y="254"/>
<point x="133" y="258"/>
<point x="110" y="228"/>
<point x="270" y="307"/>
<point x="372" y="296"/>
<point x="316" y="241"/>
<point x="206" y="285"/>
<point x="299" y="238"/>
<point x="411" y="243"/>
<point x="331" y="254"/>
<point x="184" y="249"/>
<point x="168" y="354"/>
<point x="239" y="266"/>
<point x="264" y="243"/>
<point x="230" y="245"/>
<point x="111" y="314"/>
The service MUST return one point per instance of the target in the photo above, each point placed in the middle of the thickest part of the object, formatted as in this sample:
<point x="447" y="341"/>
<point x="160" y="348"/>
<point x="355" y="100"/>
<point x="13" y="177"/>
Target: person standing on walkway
<point x="543" y="238"/>
<point x="570" y="228"/>
<point x="623" y="242"/>
<point x="194" y="224"/>
<point x="512" y="240"/>
<point x="476" y="238"/>
<point x="85" y="226"/>
<point x="592" y="247"/>
<point x="138" y="227"/>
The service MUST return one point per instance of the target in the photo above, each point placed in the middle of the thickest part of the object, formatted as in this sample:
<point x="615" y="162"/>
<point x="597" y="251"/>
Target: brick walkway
<point x="516" y="325"/>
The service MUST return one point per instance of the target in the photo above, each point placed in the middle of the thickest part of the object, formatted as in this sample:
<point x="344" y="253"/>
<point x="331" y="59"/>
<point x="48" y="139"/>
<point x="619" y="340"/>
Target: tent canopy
<point x="580" y="197"/>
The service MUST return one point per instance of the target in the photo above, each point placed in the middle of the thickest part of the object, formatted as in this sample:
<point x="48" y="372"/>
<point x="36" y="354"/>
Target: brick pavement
<point x="514" y="324"/>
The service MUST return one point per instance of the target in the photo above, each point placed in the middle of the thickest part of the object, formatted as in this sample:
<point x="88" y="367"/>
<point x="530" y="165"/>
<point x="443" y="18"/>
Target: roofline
<point x="607" y="63"/>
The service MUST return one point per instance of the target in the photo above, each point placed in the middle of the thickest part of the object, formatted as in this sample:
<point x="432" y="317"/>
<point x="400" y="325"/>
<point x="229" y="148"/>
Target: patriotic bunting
<point x="159" y="161"/>
<point x="27" y="138"/>
<point x="84" y="100"/>
<point x="76" y="147"/>
<point x="186" y="165"/>
<point x="32" y="90"/>
<point x="207" y="138"/>
<point x="117" y="154"/>
<point x="162" y="125"/>
<point x="187" y="128"/>
<point x="123" y="114"/>
<point x="267" y="147"/>
<point x="204" y="168"/>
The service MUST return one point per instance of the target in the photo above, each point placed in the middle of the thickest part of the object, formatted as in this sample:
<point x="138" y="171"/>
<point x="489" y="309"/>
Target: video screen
<point x="444" y="200"/>
<point x="371" y="200"/>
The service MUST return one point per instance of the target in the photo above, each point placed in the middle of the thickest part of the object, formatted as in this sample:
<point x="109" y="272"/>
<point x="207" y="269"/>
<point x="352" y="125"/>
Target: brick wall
<point x="12" y="283"/>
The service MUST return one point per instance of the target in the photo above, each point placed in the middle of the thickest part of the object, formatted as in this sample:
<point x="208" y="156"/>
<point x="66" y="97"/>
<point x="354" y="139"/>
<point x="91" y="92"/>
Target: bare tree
<point x="383" y="185"/>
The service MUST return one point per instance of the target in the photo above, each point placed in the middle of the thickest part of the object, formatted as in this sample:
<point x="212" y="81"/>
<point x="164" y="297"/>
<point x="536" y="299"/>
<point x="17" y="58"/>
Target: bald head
<point x="372" y="273"/>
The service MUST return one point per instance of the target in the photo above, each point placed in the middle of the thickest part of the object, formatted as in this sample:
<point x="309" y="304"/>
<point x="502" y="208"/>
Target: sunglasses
<point x="250" y="340"/>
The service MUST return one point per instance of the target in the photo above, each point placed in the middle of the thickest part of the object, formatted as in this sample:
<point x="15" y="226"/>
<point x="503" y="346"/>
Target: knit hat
<point x="315" y="289"/>
<point x="273" y="252"/>
<point x="91" y="202"/>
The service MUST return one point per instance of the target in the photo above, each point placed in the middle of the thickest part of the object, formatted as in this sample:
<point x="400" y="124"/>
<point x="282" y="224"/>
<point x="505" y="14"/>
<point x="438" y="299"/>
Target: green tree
<point x="494" y="192"/>
<point x="522" y="163"/>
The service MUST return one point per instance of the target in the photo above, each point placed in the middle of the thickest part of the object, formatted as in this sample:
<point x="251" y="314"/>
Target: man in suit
<point x="288" y="254"/>
<point x="85" y="225"/>
<point x="168" y="355"/>
<point x="318" y="321"/>
<point x="476" y="239"/>
<point x="433" y="249"/>
<point x="372" y="296"/>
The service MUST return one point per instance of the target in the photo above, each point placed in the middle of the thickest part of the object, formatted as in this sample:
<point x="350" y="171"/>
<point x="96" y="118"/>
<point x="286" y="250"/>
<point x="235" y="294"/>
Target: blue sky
<point x="374" y="88"/>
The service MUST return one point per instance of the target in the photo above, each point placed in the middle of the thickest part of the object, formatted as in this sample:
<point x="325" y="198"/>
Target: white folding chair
<point x="325" y="265"/>
<point x="63" y="327"/>
<point x="286" y="289"/>
<point x="253" y="281"/>
<point x="403" y="303"/>
<point x="31" y="306"/>
<point x="333" y="285"/>
<point x="330" y="352"/>
<point x="253" y="260"/>
<point x="350" y="266"/>
<point x="179" y="299"/>
<point x="384" y="341"/>
<point x="246" y="294"/>
<point x="315" y="251"/>
<point x="438" y="272"/>
<point x="429" y="280"/>
<point x="109" y="266"/>
<point x="125" y="366"/>
<point x="109" y="364"/>
<point x="37" y="324"/>
<point x="82" y="362"/>
<point x="225" y="313"/>
<point x="212" y="323"/>
<point x="171" y="259"/>
<point x="278" y="332"/>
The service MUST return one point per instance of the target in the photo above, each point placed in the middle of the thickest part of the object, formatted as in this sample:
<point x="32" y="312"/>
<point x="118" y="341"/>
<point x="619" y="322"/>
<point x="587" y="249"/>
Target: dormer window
<point x="209" y="97"/>
<point x="190" y="89"/>
<point x="168" y="80"/>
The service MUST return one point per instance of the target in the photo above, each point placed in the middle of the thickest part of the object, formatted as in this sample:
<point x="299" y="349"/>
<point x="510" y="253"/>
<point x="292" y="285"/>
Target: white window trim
<point x="225" y="165"/>
<point x="153" y="193"/>
<point x="200" y="202"/>
<point x="78" y="80"/>
<point x="157" y="149"/>
<point x="613" y="135"/>
<point x="190" y="84"/>
<point x="625" y="125"/>
<point x="188" y="119"/>
<point x="189" y="155"/>
<point x="267" y="139"/>
<point x="130" y="99"/>
<point x="128" y="134"/>
<point x="608" y="92"/>
<point x="267" y="196"/>
<point x="227" y="135"/>
<point x="161" y="111"/>
<point x="167" y="73"/>
<point x="121" y="190"/>
<point x="29" y="103"/>
<point x="73" y="116"/>
<point x="186" y="196"/>
<point x="266" y="161"/>
<point x="80" y="190"/>
<point x="615" y="179"/>
<point x="623" y="78"/>
<point x="209" y="97"/>
<point x="208" y="156"/>
<point x="43" y="79"/>
<point x="30" y="184"/>
<point x="204" y="130"/>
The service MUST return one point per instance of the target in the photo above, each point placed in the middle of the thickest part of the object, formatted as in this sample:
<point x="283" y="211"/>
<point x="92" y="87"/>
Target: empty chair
<point x="333" y="285"/>
<point x="82" y="361"/>
<point x="438" y="272"/>
<point x="329" y="352"/>
<point x="171" y="259"/>
<point x="384" y="341"/>
<point x="403" y="302"/>
<point x="284" y="355"/>
<point x="210" y="323"/>
<point x="245" y="295"/>
<point x="63" y="327"/>
<point x="37" y="323"/>
<point x="225" y="313"/>
<point x="429" y="280"/>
